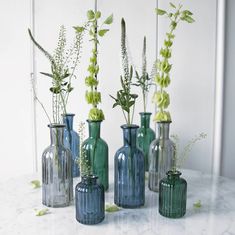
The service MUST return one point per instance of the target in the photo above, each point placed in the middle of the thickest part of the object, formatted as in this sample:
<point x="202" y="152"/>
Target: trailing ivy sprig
<point x="125" y="99"/>
<point x="162" y="78"/>
<point x="144" y="81"/>
<point x="63" y="64"/>
<point x="93" y="96"/>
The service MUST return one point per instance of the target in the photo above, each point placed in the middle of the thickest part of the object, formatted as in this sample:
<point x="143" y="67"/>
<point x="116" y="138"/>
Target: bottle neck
<point x="145" y="119"/>
<point x="94" y="129"/>
<point x="163" y="130"/>
<point x="173" y="175"/>
<point x="89" y="179"/>
<point x="129" y="135"/>
<point x="57" y="134"/>
<point x="68" y="121"/>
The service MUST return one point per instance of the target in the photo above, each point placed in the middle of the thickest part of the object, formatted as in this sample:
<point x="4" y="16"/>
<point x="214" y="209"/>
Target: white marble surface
<point x="216" y="216"/>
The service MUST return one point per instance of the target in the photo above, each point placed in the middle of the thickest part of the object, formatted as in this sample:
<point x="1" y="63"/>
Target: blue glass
<point x="71" y="141"/>
<point x="89" y="200"/>
<point x="129" y="185"/>
<point x="95" y="150"/>
<point x="57" y="181"/>
<point x="145" y="136"/>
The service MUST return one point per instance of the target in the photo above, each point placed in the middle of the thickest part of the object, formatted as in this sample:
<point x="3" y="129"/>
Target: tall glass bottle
<point x="89" y="200"/>
<point x="145" y="136"/>
<point x="129" y="173"/>
<point x="57" y="181"/>
<point x="161" y="154"/>
<point x="96" y="151"/>
<point x="71" y="141"/>
<point x="172" y="195"/>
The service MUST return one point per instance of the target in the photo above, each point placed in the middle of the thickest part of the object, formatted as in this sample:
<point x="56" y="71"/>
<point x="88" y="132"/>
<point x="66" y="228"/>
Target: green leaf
<point x="109" y="20"/>
<point x="102" y="32"/>
<point x="160" y="11"/>
<point x="47" y="74"/>
<point x="172" y="5"/>
<point x="79" y="29"/>
<point x="36" y="183"/>
<point x="188" y="19"/>
<point x="90" y="15"/>
<point x="97" y="14"/>
<point x="55" y="90"/>
<point x="197" y="204"/>
<point x="42" y="212"/>
<point x="111" y="208"/>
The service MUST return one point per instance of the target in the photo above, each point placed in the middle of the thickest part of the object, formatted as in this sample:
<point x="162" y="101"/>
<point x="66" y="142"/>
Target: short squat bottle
<point x="145" y="136"/>
<point x="71" y="141"/>
<point x="89" y="200"/>
<point x="129" y="183"/>
<point x="57" y="181"/>
<point x="161" y="154"/>
<point x="172" y="195"/>
<point x="95" y="151"/>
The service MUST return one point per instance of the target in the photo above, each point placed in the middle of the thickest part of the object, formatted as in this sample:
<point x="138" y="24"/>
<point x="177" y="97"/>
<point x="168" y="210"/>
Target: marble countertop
<point x="216" y="216"/>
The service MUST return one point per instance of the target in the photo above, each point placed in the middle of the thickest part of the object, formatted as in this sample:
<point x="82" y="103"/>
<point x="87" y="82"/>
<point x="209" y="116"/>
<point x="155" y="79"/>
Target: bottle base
<point x="90" y="221"/>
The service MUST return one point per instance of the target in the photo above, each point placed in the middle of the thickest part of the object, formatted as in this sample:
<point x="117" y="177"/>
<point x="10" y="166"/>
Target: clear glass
<point x="129" y="173"/>
<point x="57" y="181"/>
<point x="145" y="136"/>
<point x="172" y="195"/>
<point x="71" y="141"/>
<point x="161" y="154"/>
<point x="96" y="153"/>
<point x="89" y="200"/>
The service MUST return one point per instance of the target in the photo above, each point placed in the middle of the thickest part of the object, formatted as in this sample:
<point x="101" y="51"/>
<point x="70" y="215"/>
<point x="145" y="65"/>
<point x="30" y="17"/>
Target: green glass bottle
<point x="145" y="136"/>
<point x="95" y="152"/>
<point x="172" y="195"/>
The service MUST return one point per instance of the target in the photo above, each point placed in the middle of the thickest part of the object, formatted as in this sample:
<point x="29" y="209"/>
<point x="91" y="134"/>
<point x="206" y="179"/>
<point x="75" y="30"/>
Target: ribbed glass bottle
<point x="95" y="150"/>
<point x="161" y="154"/>
<point x="89" y="200"/>
<point x="145" y="136"/>
<point x="57" y="181"/>
<point x="172" y="195"/>
<point x="71" y="141"/>
<point x="129" y="182"/>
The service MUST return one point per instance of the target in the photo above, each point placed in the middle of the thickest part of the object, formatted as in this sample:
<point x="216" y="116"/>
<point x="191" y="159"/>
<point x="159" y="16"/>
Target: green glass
<point x="145" y="135"/>
<point x="95" y="151"/>
<point x="172" y="195"/>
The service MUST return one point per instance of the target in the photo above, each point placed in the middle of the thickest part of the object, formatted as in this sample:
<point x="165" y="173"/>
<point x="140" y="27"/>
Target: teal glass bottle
<point x="89" y="200"/>
<point x="172" y="195"/>
<point x="95" y="152"/>
<point x="145" y="136"/>
<point x="71" y="141"/>
<point x="161" y="152"/>
<point x="129" y="183"/>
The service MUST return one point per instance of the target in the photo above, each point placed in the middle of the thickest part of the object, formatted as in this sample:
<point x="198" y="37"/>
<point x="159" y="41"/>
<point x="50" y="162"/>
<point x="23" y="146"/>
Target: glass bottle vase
<point x="89" y="200"/>
<point x="161" y="154"/>
<point x="71" y="141"/>
<point x="172" y="195"/>
<point x="57" y="181"/>
<point x="95" y="152"/>
<point x="129" y="173"/>
<point x="145" y="136"/>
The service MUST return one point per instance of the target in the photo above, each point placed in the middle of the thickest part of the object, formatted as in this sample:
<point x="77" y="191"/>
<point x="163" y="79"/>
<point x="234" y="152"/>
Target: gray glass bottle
<point x="57" y="181"/>
<point x="161" y="153"/>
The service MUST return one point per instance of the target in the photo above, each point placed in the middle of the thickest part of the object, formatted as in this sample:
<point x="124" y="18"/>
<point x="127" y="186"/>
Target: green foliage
<point x="163" y="67"/>
<point x="181" y="156"/>
<point x="63" y="64"/>
<point x="111" y="208"/>
<point x="124" y="98"/>
<point x="197" y="204"/>
<point x="144" y="81"/>
<point x="36" y="184"/>
<point x="96" y="32"/>
<point x="42" y="212"/>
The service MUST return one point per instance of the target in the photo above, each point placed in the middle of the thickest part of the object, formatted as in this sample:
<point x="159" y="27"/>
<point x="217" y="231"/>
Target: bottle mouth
<point x="68" y="114"/>
<point x="56" y="125"/>
<point x="93" y="121"/>
<point x="173" y="173"/>
<point x="145" y="113"/>
<point x="164" y="122"/>
<point x="131" y="126"/>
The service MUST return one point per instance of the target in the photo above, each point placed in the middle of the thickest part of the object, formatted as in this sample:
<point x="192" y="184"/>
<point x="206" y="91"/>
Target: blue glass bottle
<point x="89" y="200"/>
<point x="172" y="195"/>
<point x="145" y="136"/>
<point x="71" y="141"/>
<point x="129" y="182"/>
<point x="57" y="181"/>
<point x="95" y="150"/>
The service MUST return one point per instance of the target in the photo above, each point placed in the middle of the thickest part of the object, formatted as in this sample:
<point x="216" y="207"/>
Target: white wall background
<point x="193" y="75"/>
